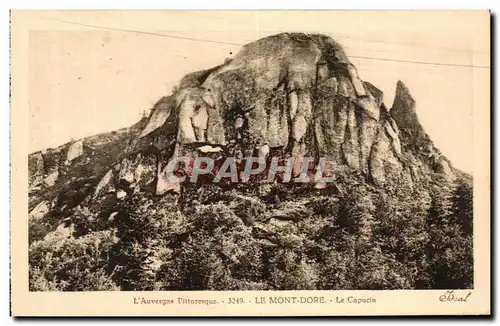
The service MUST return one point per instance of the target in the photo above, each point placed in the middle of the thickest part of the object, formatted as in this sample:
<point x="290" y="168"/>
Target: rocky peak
<point x="418" y="144"/>
<point x="403" y="98"/>
<point x="289" y="95"/>
<point x="404" y="112"/>
<point x="295" y="92"/>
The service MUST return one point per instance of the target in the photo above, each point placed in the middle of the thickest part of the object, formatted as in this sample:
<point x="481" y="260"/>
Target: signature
<point x="451" y="296"/>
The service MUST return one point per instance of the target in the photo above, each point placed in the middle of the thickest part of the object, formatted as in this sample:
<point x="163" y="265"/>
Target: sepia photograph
<point x="285" y="156"/>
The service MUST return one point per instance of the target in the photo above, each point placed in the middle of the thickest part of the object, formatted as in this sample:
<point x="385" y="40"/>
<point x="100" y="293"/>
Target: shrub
<point x="37" y="230"/>
<point x="59" y="263"/>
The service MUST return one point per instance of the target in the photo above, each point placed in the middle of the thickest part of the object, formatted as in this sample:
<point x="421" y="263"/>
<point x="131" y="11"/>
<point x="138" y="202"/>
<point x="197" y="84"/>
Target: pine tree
<point x="462" y="206"/>
<point x="450" y="249"/>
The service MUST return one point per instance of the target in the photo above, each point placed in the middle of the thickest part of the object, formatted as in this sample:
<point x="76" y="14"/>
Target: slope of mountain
<point x="288" y="95"/>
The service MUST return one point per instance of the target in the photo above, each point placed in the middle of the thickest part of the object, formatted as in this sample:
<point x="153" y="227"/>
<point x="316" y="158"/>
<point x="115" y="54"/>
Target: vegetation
<point x="361" y="237"/>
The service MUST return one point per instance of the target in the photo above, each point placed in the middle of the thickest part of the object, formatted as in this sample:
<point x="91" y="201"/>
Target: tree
<point x="58" y="263"/>
<point x="144" y="228"/>
<point x="462" y="206"/>
<point x="216" y="252"/>
<point x="450" y="249"/>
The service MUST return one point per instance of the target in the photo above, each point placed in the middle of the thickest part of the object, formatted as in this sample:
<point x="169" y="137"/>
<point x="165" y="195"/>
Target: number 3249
<point x="236" y="301"/>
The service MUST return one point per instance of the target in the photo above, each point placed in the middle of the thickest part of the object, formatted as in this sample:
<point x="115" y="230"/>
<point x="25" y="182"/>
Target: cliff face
<point x="299" y="94"/>
<point x="291" y="95"/>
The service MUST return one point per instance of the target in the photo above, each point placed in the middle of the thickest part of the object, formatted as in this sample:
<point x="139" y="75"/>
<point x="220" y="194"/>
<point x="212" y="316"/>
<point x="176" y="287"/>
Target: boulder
<point x="74" y="150"/>
<point x="40" y="210"/>
<point x="105" y="184"/>
<point x="51" y="179"/>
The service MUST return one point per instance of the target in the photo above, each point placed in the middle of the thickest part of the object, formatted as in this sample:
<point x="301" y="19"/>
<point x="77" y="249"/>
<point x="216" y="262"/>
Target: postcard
<point x="250" y="163"/>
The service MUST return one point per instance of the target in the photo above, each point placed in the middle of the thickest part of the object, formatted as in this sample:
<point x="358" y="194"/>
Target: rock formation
<point x="299" y="93"/>
<point x="294" y="94"/>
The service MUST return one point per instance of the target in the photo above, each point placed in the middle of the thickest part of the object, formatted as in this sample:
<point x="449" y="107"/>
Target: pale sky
<point x="85" y="80"/>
